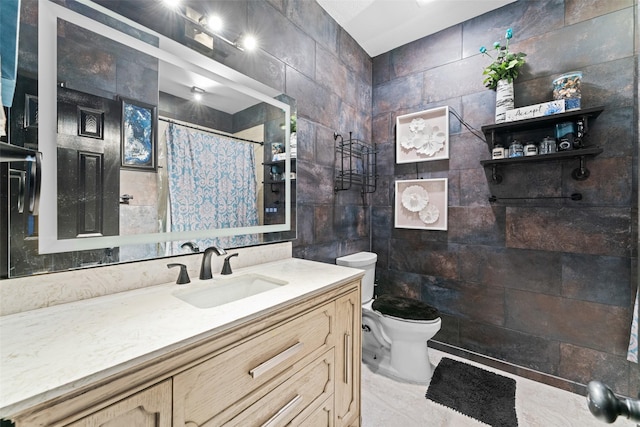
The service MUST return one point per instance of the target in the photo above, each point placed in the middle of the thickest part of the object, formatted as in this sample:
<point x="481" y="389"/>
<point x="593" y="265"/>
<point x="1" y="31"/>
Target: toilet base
<point x="379" y="361"/>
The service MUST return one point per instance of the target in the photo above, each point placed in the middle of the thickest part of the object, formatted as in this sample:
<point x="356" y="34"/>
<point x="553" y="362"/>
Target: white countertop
<point x="51" y="351"/>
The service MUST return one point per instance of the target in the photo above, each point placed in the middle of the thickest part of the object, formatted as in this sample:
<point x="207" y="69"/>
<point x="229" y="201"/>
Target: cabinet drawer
<point x="322" y="416"/>
<point x="218" y="383"/>
<point x="296" y="398"/>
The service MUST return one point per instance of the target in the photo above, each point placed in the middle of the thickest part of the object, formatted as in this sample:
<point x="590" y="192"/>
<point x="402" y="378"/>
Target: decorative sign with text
<point x="537" y="110"/>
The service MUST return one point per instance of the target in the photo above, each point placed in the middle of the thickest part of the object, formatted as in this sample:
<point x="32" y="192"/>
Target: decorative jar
<point x="516" y="149"/>
<point x="548" y="145"/>
<point x="567" y="87"/>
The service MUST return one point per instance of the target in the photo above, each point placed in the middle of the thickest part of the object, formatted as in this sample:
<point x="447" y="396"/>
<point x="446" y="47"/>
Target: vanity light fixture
<point x="197" y="93"/>
<point x="211" y="27"/>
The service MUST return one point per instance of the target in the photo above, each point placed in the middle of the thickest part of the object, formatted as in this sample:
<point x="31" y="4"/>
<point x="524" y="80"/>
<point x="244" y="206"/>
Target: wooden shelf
<point x="562" y="155"/>
<point x="580" y="117"/>
<point x="277" y="162"/>
<point x="539" y="122"/>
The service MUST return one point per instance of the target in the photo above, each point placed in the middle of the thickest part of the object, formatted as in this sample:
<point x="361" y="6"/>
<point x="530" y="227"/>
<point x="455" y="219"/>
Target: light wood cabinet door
<point x="148" y="408"/>
<point x="348" y="351"/>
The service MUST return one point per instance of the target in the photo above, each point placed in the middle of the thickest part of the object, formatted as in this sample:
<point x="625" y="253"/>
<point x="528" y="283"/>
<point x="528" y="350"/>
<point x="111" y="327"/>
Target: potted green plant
<point x="500" y="74"/>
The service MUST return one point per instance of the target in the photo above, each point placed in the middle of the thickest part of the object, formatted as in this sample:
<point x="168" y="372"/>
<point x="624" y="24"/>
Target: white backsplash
<point x="45" y="290"/>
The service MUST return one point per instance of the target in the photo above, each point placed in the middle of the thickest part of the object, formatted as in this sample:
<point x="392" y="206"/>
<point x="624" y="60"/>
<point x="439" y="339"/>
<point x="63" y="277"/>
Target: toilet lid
<point x="404" y="308"/>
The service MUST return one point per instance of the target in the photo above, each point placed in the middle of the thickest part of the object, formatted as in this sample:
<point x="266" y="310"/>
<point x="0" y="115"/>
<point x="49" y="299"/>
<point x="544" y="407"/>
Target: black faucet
<point x="226" y="267"/>
<point x="194" y="248"/>
<point x="205" y="268"/>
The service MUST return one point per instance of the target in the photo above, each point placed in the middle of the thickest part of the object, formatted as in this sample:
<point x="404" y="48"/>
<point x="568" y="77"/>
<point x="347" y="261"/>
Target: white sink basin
<point x="222" y="291"/>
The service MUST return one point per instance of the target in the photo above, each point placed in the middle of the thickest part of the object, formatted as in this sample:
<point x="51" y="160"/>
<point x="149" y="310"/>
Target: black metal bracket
<point x="495" y="176"/>
<point x="581" y="173"/>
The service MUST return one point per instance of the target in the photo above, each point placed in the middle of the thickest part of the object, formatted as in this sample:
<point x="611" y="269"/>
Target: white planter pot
<point x="504" y="99"/>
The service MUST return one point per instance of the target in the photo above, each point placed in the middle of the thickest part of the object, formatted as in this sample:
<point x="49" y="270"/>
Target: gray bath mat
<point x="475" y="392"/>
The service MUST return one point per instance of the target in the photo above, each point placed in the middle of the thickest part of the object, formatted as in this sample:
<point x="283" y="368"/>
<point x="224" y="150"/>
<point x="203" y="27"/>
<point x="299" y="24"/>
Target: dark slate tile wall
<point x="546" y="285"/>
<point x="330" y="77"/>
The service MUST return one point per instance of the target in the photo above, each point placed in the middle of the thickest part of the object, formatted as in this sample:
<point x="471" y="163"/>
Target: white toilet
<point x="395" y="330"/>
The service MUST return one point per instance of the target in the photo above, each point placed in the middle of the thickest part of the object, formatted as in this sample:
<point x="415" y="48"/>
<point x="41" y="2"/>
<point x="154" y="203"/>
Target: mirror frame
<point x="169" y="51"/>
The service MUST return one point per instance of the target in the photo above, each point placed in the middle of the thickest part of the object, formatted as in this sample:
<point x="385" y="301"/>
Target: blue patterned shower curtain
<point x="212" y="184"/>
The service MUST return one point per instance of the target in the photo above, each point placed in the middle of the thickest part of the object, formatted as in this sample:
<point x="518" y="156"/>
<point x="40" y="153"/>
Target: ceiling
<point x="382" y="25"/>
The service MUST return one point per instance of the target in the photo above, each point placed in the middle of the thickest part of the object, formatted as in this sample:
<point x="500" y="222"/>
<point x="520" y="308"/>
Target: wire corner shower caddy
<point x="355" y="164"/>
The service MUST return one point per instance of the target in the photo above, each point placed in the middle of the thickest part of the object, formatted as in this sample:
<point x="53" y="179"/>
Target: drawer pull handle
<point x="347" y="358"/>
<point x="284" y="411"/>
<point x="275" y="360"/>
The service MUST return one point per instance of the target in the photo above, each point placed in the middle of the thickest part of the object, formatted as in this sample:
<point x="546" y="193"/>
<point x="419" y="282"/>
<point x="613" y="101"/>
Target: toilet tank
<point x="364" y="261"/>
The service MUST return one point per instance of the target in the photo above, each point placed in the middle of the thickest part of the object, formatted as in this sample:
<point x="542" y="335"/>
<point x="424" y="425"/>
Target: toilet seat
<point x="400" y="319"/>
<point x="405" y="309"/>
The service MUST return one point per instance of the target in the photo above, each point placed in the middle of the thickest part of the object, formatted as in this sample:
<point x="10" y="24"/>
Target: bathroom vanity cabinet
<point x="297" y="364"/>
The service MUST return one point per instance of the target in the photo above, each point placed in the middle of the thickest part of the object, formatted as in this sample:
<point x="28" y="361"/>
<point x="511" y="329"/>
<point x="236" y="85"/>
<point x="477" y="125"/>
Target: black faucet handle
<point x="183" y="277"/>
<point x="226" y="267"/>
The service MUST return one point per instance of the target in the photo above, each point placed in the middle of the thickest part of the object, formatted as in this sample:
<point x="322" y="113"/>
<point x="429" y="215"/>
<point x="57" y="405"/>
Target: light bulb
<point x="197" y="93"/>
<point x="248" y="42"/>
<point x="215" y="23"/>
<point x="171" y="4"/>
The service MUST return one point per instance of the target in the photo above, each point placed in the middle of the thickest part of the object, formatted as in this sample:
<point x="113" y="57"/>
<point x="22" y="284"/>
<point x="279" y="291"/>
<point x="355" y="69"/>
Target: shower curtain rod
<point x="205" y="129"/>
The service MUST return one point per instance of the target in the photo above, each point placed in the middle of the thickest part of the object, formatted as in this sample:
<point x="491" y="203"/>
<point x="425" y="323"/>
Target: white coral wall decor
<point x="423" y="136"/>
<point x="415" y="198"/>
<point x="421" y="204"/>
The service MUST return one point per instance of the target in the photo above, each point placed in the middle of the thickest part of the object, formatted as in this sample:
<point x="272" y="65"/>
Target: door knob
<point x="605" y="406"/>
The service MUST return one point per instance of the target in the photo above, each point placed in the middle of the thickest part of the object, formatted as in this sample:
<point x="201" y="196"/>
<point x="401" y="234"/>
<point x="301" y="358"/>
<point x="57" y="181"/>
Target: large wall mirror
<point x="149" y="148"/>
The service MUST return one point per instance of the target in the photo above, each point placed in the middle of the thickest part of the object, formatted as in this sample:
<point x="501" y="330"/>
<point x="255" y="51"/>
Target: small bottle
<point x="548" y="145"/>
<point x="530" y="149"/>
<point x="516" y="149"/>
<point x="497" y="152"/>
